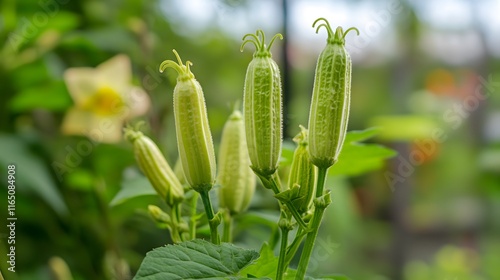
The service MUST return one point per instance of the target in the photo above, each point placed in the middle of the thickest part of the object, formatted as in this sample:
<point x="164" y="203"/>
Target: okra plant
<point x="250" y="148"/>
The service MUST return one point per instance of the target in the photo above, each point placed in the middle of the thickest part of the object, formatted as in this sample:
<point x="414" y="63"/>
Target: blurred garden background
<point x="425" y="73"/>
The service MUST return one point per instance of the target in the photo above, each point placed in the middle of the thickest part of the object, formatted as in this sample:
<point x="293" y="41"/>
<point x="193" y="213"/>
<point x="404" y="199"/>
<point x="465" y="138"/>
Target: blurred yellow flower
<point x="104" y="99"/>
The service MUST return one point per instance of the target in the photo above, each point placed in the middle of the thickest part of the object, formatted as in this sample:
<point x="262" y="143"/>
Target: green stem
<point x="214" y="235"/>
<point x="281" y="260"/>
<point x="273" y="182"/>
<point x="294" y="246"/>
<point x="228" y="227"/>
<point x="315" y="224"/>
<point x="176" y="237"/>
<point x="320" y="184"/>
<point x="192" y="220"/>
<point x="296" y="215"/>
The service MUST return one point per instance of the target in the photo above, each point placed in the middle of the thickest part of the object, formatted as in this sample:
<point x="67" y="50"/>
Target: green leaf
<point x="31" y="172"/>
<point x="53" y="97"/>
<point x="137" y="186"/>
<point x="404" y="127"/>
<point x="357" y="158"/>
<point x="361" y="135"/>
<point x="265" y="266"/>
<point x="196" y="259"/>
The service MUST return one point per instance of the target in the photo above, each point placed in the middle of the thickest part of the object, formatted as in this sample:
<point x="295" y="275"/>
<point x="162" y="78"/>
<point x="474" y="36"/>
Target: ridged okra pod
<point x="194" y="139"/>
<point x="262" y="106"/>
<point x="302" y="172"/>
<point x="156" y="168"/>
<point x="331" y="96"/>
<point x="235" y="177"/>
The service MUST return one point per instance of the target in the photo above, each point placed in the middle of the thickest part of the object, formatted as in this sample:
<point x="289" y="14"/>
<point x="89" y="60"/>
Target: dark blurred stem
<point x="214" y="235"/>
<point x="315" y="224"/>
<point x="111" y="245"/>
<point x="104" y="209"/>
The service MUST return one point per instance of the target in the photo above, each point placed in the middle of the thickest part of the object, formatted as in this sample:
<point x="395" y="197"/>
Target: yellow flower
<point x="104" y="99"/>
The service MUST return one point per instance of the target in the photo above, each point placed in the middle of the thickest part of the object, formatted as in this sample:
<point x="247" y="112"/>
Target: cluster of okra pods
<point x="251" y="144"/>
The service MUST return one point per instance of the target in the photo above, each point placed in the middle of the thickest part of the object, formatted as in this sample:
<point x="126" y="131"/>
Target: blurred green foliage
<point x="446" y="211"/>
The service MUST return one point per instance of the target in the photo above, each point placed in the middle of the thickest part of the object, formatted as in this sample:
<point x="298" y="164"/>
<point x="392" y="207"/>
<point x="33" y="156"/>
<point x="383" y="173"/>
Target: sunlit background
<point x="425" y="73"/>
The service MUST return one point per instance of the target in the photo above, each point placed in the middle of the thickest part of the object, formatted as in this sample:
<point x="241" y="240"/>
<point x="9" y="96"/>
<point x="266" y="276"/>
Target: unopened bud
<point x="156" y="168"/>
<point x="302" y="173"/>
<point x="235" y="176"/>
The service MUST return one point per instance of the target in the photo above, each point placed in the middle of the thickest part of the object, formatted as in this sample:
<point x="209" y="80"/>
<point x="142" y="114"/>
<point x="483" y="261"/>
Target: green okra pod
<point x="235" y="177"/>
<point x="302" y="173"/>
<point x="156" y="168"/>
<point x="262" y="106"/>
<point x="194" y="139"/>
<point x="330" y="103"/>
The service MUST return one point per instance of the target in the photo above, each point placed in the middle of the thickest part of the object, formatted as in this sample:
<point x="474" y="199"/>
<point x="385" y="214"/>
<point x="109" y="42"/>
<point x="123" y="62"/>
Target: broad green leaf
<point x="404" y="127"/>
<point x="361" y="135"/>
<point x="32" y="172"/>
<point x="196" y="259"/>
<point x="57" y="21"/>
<point x="265" y="266"/>
<point x="137" y="186"/>
<point x="357" y="158"/>
<point x="53" y="97"/>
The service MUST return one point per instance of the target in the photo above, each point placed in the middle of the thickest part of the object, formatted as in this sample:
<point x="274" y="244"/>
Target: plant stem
<point x="281" y="261"/>
<point x="273" y="182"/>
<point x="296" y="215"/>
<point x="320" y="184"/>
<point x="176" y="237"/>
<point x="294" y="246"/>
<point x="214" y="235"/>
<point x="228" y="227"/>
<point x="314" y="225"/>
<point x="192" y="221"/>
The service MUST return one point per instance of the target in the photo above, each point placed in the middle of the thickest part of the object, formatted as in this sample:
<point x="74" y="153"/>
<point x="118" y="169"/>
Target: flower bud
<point x="302" y="173"/>
<point x="154" y="165"/>
<point x="194" y="139"/>
<point x="158" y="215"/>
<point x="262" y="106"/>
<point x="235" y="177"/>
